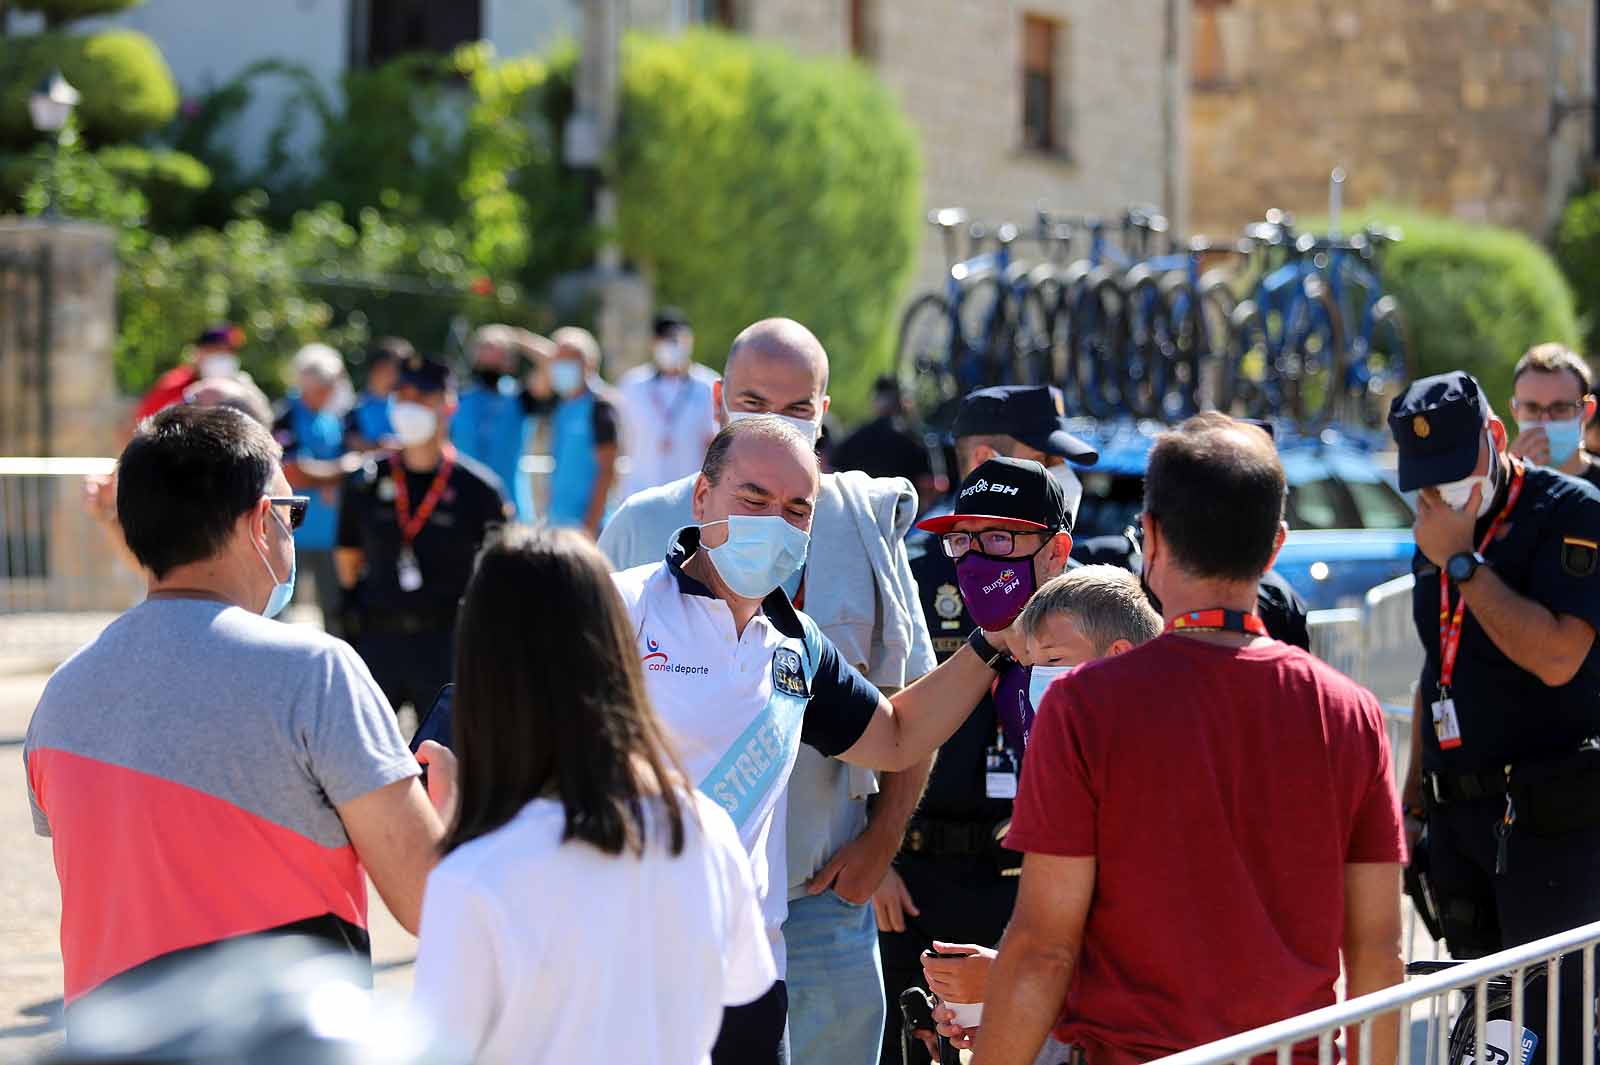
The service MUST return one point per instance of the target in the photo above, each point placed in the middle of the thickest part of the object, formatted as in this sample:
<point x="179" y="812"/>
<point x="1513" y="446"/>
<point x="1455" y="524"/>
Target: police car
<point x="1349" y="527"/>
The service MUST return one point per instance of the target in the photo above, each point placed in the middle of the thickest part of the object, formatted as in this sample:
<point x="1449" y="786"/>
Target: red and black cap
<point x="1437" y="425"/>
<point x="1033" y="414"/>
<point x="1019" y="492"/>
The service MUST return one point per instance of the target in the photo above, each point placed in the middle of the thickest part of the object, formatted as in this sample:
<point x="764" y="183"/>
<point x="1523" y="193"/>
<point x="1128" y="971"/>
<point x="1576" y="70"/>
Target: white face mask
<point x="1457" y="494"/>
<point x="671" y="356"/>
<point x="808" y="428"/>
<point x="413" y="423"/>
<point x="223" y="365"/>
<point x="1040" y="679"/>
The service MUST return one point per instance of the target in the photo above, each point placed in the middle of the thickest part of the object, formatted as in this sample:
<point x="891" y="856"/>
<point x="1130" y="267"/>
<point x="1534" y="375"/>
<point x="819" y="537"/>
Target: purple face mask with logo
<point x="995" y="589"/>
<point x="1013" y="706"/>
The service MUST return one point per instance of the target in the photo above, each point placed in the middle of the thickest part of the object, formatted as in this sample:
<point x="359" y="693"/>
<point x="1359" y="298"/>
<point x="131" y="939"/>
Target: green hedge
<point x="1578" y="251"/>
<point x="57" y="12"/>
<point x="1475" y="297"/>
<point x="127" y="88"/>
<point x="753" y="182"/>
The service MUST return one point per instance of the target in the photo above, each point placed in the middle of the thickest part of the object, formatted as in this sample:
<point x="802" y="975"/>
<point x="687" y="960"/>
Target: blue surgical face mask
<point x="566" y="377"/>
<point x="1564" y="438"/>
<point x="1040" y="679"/>
<point x="762" y="550"/>
<point x="282" y="591"/>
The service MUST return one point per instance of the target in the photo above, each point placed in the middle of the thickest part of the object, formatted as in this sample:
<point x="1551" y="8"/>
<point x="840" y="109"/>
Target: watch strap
<point x="993" y="658"/>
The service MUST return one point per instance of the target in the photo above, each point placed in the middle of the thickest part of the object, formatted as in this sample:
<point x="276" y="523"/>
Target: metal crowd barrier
<point x="62" y="577"/>
<point x="1325" y="1026"/>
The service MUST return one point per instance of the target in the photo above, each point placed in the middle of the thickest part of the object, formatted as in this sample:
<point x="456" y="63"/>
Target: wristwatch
<point x="995" y="659"/>
<point x="1460" y="566"/>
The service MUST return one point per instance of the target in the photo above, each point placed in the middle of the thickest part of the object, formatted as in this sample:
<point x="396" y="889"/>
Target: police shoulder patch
<point x="1579" y="557"/>
<point x="787" y="675"/>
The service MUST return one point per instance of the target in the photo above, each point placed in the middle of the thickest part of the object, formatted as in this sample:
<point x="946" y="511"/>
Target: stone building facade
<point x="1478" y="108"/>
<point x="963" y="70"/>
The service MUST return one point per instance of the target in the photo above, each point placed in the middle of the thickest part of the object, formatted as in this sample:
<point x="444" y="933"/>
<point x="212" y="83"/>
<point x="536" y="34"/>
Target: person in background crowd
<point x="584" y="430"/>
<point x="951" y="880"/>
<point x="668" y="408"/>
<point x="576" y="827"/>
<point x="241" y="395"/>
<point x="863" y="598"/>
<point x="367" y="426"/>
<point x="1591" y="436"/>
<point x="1085" y="614"/>
<point x="193" y="723"/>
<point x="215" y="353"/>
<point x="310" y="429"/>
<point x="1134" y="826"/>
<point x="493" y="422"/>
<point x="884" y="447"/>
<point x="1506" y="603"/>
<point x="410" y="524"/>
<point x="1552" y="399"/>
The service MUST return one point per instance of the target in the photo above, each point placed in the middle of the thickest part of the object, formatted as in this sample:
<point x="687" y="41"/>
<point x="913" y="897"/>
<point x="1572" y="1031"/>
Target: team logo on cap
<point x="985" y="486"/>
<point x="1420" y="426"/>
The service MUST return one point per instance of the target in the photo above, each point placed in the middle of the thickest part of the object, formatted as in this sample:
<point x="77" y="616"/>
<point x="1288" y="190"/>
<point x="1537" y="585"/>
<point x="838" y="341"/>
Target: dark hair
<point x="767" y="426"/>
<point x="667" y="320"/>
<point x="389" y="349"/>
<point x="1216" y="489"/>
<point x="185" y="478"/>
<point x="550" y="698"/>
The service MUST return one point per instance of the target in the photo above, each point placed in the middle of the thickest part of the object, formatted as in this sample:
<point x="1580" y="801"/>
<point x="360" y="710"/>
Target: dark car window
<point x="1322" y="503"/>
<point x="1378" y="503"/>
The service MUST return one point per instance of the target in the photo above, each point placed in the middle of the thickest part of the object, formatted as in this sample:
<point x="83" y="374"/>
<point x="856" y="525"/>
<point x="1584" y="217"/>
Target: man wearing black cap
<point x="410" y="525"/>
<point x="1507" y="711"/>
<point x="886" y="447"/>
<point x="950" y="881"/>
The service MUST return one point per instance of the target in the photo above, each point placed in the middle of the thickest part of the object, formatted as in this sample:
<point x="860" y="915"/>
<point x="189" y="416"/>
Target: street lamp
<point x="52" y="102"/>
<point x="50" y="106"/>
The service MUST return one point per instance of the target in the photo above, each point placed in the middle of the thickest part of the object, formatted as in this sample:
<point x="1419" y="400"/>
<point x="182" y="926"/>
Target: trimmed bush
<point x="1578" y="251"/>
<point x="57" y="12"/>
<point x="127" y="88"/>
<point x="1475" y="297"/>
<point x="753" y="182"/>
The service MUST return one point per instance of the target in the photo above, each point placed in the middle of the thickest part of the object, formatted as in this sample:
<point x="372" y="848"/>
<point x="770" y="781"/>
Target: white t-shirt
<point x="535" y="950"/>
<point x="669" y="421"/>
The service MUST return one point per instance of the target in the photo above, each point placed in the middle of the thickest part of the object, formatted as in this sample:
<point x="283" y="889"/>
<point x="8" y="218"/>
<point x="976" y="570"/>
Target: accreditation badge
<point x="1446" y="725"/>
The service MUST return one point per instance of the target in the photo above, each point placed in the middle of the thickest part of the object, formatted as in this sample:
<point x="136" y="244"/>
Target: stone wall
<point x="1441" y="104"/>
<point x="956" y="66"/>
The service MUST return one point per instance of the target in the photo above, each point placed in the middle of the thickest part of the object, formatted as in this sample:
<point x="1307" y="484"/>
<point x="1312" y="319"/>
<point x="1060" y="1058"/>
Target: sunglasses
<point x="297" y="508"/>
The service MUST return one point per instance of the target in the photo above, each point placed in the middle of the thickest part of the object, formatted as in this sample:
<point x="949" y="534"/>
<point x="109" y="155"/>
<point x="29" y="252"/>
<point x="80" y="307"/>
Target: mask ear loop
<point x="262" y="554"/>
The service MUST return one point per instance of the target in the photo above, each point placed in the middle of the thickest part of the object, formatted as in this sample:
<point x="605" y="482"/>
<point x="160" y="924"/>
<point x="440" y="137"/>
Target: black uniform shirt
<point x="956" y="786"/>
<point x="1547" y="550"/>
<point x="445" y="547"/>
<point x="1591" y="473"/>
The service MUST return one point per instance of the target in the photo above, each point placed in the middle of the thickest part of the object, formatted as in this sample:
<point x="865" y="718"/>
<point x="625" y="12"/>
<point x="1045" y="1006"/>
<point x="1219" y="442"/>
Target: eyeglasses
<point x="997" y="542"/>
<point x="1538" y="412"/>
<point x="297" y="508"/>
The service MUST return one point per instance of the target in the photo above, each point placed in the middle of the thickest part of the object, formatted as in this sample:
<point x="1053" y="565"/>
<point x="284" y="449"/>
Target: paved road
<point x="30" y="911"/>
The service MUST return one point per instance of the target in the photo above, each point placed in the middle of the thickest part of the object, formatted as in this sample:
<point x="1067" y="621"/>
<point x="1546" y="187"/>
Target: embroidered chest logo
<point x="787" y="676"/>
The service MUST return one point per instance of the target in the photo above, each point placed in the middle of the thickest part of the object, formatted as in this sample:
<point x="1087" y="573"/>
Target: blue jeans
<point x="835" y="981"/>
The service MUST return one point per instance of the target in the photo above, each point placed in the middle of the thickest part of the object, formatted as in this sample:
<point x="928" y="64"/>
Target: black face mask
<point x="1138" y="554"/>
<point x="488" y="378"/>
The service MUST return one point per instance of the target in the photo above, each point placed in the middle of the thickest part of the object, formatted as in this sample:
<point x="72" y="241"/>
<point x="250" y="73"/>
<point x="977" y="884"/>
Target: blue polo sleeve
<point x="842" y="704"/>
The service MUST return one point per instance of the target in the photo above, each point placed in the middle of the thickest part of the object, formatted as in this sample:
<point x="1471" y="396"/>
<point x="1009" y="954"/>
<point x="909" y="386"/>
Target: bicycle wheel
<point x="1377" y="370"/>
<point x="1312" y="363"/>
<point x="1033" y="350"/>
<point x="930" y="349"/>
<point x="1092" y="344"/>
<point x="1146" y="346"/>
<point x="1247" y="385"/>
<point x="986" y="335"/>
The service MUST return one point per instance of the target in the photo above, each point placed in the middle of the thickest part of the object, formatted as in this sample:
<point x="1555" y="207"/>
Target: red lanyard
<point x="411" y="524"/>
<point x="1218" y="620"/>
<point x="1450" y="626"/>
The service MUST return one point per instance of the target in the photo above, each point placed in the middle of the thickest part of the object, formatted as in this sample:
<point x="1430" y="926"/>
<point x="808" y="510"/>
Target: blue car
<point x="1349" y="527"/>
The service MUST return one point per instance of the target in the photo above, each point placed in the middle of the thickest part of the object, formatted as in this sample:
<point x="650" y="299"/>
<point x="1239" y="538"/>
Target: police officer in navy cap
<point x="952" y="880"/>
<point x="410" y="524"/>
<point x="1504" y="775"/>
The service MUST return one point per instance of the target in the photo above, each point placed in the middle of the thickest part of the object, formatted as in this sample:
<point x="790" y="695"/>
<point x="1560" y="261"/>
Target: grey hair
<point x="765" y="427"/>
<point x="319" y="361"/>
<point x="1105" y="602"/>
<point x="580" y="340"/>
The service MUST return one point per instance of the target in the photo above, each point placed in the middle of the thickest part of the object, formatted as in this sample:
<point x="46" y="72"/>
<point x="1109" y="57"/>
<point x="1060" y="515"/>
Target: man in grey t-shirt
<point x="205" y="772"/>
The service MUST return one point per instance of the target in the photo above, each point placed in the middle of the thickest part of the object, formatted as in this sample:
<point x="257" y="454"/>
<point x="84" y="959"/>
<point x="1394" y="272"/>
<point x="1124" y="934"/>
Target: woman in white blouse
<point x="590" y="906"/>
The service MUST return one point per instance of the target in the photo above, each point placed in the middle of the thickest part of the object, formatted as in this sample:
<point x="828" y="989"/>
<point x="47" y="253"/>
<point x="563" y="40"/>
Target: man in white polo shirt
<point x="742" y="679"/>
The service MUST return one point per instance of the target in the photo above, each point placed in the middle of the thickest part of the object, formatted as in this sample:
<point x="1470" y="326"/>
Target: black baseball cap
<point x="222" y="335"/>
<point x="1033" y="414"/>
<point x="1015" y="491"/>
<point x="424" y="374"/>
<point x="1437" y="424"/>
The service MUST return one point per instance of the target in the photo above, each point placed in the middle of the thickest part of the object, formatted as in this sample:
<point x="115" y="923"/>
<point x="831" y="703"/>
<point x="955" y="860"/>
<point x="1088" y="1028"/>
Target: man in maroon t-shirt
<point x="1209" y="821"/>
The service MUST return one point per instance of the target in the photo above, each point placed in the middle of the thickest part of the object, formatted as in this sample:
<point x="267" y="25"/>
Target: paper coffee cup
<point x="968" y="1014"/>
